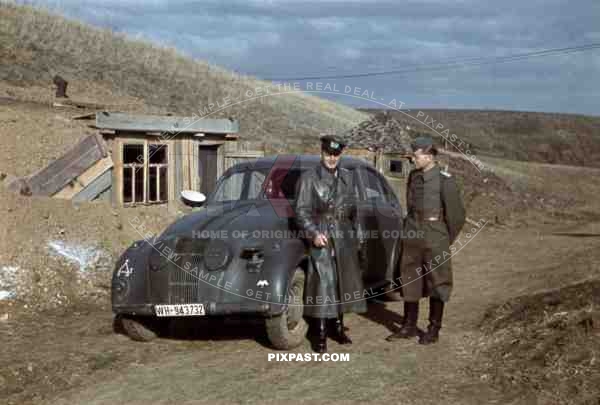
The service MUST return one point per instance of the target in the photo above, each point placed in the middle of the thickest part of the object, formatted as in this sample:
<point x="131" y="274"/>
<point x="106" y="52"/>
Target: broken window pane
<point x="164" y="184"/>
<point x="396" y="166"/>
<point x="146" y="181"/>
<point x="139" y="184"/>
<point x="127" y="183"/>
<point x="157" y="153"/>
<point x="133" y="154"/>
<point x="152" y="191"/>
<point x="158" y="190"/>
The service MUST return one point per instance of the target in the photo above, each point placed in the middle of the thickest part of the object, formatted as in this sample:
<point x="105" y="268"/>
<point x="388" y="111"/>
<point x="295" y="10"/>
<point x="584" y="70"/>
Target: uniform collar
<point x="324" y="172"/>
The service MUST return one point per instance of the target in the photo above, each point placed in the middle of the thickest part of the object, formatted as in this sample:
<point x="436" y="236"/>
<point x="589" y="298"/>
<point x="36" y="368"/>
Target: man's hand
<point x="320" y="240"/>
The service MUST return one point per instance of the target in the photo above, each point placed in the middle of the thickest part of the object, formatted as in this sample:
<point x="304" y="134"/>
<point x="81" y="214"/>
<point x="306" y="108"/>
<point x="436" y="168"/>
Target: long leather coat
<point x="326" y="202"/>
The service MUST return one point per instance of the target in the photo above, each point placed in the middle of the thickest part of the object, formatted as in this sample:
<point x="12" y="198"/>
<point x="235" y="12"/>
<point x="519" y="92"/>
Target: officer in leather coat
<point x="436" y="214"/>
<point x="326" y="212"/>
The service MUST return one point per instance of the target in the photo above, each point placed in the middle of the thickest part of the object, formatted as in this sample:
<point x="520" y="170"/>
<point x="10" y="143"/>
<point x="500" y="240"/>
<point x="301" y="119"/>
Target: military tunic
<point x="435" y="217"/>
<point x="326" y="203"/>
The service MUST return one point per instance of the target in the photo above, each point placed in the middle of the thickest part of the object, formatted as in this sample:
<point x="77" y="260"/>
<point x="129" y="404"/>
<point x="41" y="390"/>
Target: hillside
<point x="529" y="136"/>
<point x="522" y="326"/>
<point x="132" y="75"/>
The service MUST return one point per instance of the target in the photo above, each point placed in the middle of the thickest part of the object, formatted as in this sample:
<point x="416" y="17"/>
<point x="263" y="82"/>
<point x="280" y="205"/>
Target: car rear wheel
<point x="142" y="329"/>
<point x="288" y="330"/>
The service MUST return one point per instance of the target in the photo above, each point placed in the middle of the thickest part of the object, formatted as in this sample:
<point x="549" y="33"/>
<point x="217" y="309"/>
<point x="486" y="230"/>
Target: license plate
<point x="180" y="310"/>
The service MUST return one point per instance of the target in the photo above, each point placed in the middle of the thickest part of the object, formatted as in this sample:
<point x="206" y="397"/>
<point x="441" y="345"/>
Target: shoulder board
<point x="445" y="173"/>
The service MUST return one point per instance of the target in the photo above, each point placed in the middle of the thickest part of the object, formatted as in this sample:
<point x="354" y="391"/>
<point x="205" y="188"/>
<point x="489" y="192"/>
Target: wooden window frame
<point x="145" y="172"/>
<point x="404" y="167"/>
<point x="158" y="167"/>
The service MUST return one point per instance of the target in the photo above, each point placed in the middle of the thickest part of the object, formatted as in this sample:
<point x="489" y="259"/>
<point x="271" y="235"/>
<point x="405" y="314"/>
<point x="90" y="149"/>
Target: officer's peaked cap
<point x="332" y="144"/>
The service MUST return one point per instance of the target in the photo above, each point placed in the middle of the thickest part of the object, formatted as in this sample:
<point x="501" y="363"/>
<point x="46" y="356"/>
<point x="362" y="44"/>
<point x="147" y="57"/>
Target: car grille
<point x="184" y="284"/>
<point x="184" y="276"/>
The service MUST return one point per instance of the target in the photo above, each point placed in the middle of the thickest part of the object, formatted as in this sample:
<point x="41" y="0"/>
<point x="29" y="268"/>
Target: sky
<point x="287" y="39"/>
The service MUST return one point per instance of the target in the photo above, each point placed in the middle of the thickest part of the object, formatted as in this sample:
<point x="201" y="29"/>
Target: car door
<point x="381" y="216"/>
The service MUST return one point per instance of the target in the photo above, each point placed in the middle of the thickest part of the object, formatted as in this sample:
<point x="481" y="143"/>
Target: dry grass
<point x="527" y="136"/>
<point x="34" y="135"/>
<point x="547" y="343"/>
<point x="551" y="193"/>
<point x="36" y="44"/>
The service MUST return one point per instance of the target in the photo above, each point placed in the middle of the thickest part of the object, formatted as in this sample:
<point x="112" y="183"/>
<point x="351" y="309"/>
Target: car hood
<point x="233" y="217"/>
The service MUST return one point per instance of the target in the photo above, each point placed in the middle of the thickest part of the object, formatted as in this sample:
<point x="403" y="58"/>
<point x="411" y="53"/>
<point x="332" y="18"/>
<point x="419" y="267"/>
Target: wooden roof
<point x="161" y="124"/>
<point x="381" y="131"/>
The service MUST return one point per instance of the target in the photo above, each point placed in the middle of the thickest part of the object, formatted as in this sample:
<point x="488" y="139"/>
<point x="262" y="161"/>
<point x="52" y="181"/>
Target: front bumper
<point x="211" y="308"/>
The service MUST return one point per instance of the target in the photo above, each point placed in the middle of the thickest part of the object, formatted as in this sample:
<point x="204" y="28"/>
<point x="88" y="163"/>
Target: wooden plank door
<point x="207" y="167"/>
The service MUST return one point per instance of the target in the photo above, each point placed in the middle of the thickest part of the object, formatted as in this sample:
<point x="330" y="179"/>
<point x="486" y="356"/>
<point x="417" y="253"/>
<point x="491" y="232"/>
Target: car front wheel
<point x="288" y="330"/>
<point x="142" y="329"/>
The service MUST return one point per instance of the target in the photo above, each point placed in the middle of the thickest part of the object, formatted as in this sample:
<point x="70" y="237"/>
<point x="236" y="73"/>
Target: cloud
<point x="350" y="53"/>
<point x="290" y="38"/>
<point x="327" y="25"/>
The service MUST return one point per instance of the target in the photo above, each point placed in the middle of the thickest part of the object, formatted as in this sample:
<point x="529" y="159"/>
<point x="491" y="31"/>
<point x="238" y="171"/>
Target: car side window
<point x="256" y="184"/>
<point x="374" y="189"/>
<point x="230" y="188"/>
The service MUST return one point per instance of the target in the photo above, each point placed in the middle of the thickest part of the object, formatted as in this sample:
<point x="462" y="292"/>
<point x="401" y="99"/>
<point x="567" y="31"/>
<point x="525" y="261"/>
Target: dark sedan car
<point x="241" y="252"/>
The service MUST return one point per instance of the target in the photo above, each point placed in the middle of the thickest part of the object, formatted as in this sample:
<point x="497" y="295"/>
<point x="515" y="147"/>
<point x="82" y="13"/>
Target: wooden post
<point x="379" y="159"/>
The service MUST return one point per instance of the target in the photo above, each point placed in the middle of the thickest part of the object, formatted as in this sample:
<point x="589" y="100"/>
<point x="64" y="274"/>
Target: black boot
<point x="436" y="312"/>
<point x="319" y="340"/>
<point x="409" y="323"/>
<point x="339" y="331"/>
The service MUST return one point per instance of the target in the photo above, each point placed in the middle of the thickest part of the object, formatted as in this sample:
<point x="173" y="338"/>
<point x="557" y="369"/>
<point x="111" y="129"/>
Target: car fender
<point x="279" y="271"/>
<point x="128" y="285"/>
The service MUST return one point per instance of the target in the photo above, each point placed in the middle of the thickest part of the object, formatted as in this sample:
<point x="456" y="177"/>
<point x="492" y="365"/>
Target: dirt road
<point x="76" y="358"/>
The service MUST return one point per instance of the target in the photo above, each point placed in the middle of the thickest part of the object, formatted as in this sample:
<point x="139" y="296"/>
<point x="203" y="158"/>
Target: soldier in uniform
<point x="435" y="215"/>
<point x="326" y="212"/>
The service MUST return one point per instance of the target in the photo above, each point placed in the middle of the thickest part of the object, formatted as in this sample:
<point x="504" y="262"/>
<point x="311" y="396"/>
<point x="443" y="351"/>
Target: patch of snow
<point x="8" y="275"/>
<point x="6" y="295"/>
<point x="85" y="256"/>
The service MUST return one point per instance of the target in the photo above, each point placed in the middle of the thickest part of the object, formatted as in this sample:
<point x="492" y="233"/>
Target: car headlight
<point x="216" y="255"/>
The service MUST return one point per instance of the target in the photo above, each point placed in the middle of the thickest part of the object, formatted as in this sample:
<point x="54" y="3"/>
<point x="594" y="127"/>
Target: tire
<point x="288" y="330"/>
<point x="141" y="329"/>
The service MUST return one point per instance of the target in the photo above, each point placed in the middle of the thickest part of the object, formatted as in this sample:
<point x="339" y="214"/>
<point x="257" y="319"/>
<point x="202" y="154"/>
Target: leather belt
<point x="427" y="216"/>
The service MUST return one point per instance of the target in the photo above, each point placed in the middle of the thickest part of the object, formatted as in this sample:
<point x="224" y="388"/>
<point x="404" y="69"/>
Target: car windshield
<point x="254" y="184"/>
